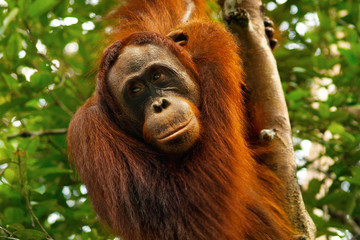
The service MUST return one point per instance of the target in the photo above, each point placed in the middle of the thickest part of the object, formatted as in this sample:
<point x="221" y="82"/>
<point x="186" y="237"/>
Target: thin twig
<point x="77" y="89"/>
<point x="52" y="64"/>
<point x="33" y="41"/>
<point x="61" y="105"/>
<point x="27" y="198"/>
<point x="6" y="231"/>
<point x="35" y="217"/>
<point x="25" y="134"/>
<point x="345" y="218"/>
<point x="9" y="238"/>
<point x="346" y="24"/>
<point x="8" y="184"/>
<point x="56" y="146"/>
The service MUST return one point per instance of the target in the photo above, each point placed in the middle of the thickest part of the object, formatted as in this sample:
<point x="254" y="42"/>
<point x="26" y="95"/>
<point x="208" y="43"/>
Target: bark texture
<point x="267" y="100"/>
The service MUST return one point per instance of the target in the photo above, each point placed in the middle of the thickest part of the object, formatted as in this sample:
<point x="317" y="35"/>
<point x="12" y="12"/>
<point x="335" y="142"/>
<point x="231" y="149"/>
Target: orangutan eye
<point x="136" y="89"/>
<point x="156" y="76"/>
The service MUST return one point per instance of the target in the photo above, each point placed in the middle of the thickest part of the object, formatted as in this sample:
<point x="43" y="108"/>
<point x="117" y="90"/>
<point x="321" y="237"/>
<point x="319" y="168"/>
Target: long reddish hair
<point x="219" y="190"/>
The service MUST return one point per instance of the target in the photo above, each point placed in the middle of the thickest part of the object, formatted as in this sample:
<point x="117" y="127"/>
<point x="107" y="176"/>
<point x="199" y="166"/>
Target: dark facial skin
<point x="158" y="97"/>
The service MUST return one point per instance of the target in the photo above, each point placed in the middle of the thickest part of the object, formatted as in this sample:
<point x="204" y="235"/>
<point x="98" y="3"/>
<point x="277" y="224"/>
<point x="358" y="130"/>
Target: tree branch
<point x="25" y="134"/>
<point x="22" y="181"/>
<point x="345" y="218"/>
<point x="6" y="231"/>
<point x="60" y="104"/>
<point x="62" y="76"/>
<point x="9" y="238"/>
<point x="267" y="106"/>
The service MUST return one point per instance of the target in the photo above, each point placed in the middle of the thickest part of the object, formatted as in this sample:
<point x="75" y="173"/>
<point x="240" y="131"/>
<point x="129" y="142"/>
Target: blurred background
<point x="49" y="53"/>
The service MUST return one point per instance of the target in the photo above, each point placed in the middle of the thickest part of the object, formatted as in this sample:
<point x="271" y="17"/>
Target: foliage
<point x="48" y="56"/>
<point x="49" y="51"/>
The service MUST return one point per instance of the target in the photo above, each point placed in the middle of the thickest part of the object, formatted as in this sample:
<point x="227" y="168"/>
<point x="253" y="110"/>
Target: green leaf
<point x="356" y="171"/>
<point x="336" y="128"/>
<point x="12" y="83"/>
<point x="349" y="56"/>
<point x="29" y="144"/>
<point x="30" y="234"/>
<point x="46" y="171"/>
<point x="325" y="21"/>
<point x="3" y="161"/>
<point x="339" y="116"/>
<point x="16" y="226"/>
<point x="8" y="106"/>
<point x="10" y="17"/>
<point x="338" y="199"/>
<point x="34" y="144"/>
<point x="40" y="7"/>
<point x="348" y="138"/>
<point x="13" y="46"/>
<point x="13" y="215"/>
<point x="354" y="180"/>
<point x="297" y="94"/>
<point x="314" y="186"/>
<point x="324" y="110"/>
<point x="40" y="189"/>
<point x="299" y="69"/>
<point x="10" y="175"/>
<point x="40" y="80"/>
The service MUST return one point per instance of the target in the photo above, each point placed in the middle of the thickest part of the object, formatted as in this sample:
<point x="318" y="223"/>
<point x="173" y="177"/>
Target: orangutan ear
<point x="179" y="36"/>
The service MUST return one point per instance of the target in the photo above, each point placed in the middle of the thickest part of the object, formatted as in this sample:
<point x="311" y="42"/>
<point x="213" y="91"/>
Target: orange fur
<point x="219" y="191"/>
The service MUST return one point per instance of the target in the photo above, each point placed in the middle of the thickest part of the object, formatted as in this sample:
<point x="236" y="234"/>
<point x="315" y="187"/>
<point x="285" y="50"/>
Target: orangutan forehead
<point x="134" y="58"/>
